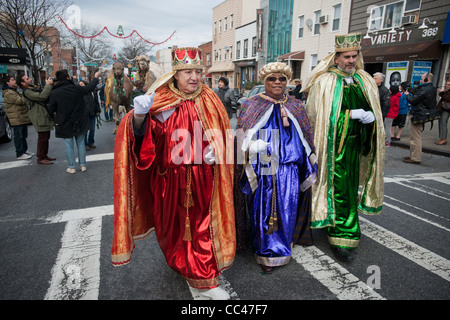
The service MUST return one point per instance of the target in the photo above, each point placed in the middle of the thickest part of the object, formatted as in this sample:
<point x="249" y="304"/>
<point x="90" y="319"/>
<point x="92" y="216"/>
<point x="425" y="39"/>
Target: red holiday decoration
<point x="119" y="37"/>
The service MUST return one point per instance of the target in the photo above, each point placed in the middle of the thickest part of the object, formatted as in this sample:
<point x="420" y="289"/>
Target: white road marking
<point x="415" y="253"/>
<point x="14" y="164"/>
<point x="332" y="275"/>
<point x="416" y="208"/>
<point x="76" y="273"/>
<point x="415" y="216"/>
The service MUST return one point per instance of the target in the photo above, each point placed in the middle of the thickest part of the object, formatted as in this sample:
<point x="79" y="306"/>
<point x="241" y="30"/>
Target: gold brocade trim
<point x="203" y="283"/>
<point x="344" y="131"/>
<point x="272" y="262"/>
<point x="274" y="101"/>
<point x="343" y="242"/>
<point x="183" y="95"/>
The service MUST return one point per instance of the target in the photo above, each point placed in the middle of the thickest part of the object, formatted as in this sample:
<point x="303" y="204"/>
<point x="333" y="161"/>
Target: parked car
<point x="257" y="90"/>
<point x="5" y="126"/>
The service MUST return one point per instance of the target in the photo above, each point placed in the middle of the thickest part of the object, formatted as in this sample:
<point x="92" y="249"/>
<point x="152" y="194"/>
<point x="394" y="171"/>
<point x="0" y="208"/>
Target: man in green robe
<point x="344" y="109"/>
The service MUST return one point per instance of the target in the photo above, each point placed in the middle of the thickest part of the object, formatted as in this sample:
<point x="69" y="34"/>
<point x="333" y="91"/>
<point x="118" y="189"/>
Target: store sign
<point x="414" y="34"/>
<point x="259" y="29"/>
<point x="14" y="56"/>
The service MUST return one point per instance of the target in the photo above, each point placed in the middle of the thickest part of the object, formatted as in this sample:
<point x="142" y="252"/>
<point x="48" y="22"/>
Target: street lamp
<point x="424" y="26"/>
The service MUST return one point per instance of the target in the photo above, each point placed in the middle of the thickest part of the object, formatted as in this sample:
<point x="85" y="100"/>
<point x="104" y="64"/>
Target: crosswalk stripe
<point x="336" y="278"/>
<point x="415" y="253"/>
<point x="415" y="216"/>
<point x="76" y="272"/>
<point x="14" y="164"/>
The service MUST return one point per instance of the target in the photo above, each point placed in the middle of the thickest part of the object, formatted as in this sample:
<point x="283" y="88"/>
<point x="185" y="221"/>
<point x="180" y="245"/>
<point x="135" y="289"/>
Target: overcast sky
<point x="155" y="20"/>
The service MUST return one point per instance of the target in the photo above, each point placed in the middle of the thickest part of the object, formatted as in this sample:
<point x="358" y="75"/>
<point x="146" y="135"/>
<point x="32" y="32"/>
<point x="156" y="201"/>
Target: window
<point x="220" y="26"/>
<point x="253" y="46"/>
<point x="231" y="21"/>
<point x="412" y="5"/>
<point x="390" y="15"/>
<point x="208" y="59"/>
<point x="225" y="24"/>
<point x="313" y="61"/>
<point x="301" y="26"/>
<point x="215" y="55"/>
<point x="220" y="54"/>
<point x="238" y="50"/>
<point x="231" y="52"/>
<point x="336" y="17"/>
<point x="316" y="22"/>
<point x="215" y="27"/>
<point x="393" y="15"/>
<point x="245" y="48"/>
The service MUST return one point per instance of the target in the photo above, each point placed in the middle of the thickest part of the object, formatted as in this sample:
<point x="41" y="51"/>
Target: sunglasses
<point x="273" y="79"/>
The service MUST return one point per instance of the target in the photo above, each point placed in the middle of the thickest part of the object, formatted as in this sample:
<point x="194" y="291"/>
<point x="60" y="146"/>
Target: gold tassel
<point x="187" y="230"/>
<point x="273" y="223"/>
<point x="188" y="202"/>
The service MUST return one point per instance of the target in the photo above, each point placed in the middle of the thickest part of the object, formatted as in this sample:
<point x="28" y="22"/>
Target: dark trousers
<point x="20" y="139"/>
<point x="42" y="145"/>
<point x="89" y="135"/>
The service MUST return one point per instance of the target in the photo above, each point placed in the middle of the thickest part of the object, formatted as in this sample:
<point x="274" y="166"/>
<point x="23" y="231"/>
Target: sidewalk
<point x="429" y="137"/>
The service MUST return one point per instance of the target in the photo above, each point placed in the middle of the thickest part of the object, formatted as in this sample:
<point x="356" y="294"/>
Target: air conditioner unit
<point x="409" y="19"/>
<point x="323" y="19"/>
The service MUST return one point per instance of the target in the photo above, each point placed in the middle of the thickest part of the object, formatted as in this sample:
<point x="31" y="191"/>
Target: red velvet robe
<point x="150" y="188"/>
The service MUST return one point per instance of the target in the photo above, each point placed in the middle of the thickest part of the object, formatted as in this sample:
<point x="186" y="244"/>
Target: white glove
<point x="143" y="103"/>
<point x="363" y="116"/>
<point x="258" y="146"/>
<point x="209" y="156"/>
<point x="367" y="117"/>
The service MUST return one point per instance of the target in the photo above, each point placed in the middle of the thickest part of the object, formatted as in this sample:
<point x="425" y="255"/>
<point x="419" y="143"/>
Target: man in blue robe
<point x="276" y="170"/>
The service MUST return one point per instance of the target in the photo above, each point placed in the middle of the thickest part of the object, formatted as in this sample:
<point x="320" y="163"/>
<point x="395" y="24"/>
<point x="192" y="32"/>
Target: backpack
<point x="425" y="115"/>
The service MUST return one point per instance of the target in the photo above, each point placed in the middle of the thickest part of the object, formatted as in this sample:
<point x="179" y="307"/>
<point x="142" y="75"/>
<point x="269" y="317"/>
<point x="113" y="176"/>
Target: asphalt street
<point x="56" y="234"/>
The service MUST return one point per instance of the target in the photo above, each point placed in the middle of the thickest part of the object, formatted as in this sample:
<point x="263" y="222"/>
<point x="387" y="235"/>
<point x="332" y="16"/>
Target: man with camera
<point x="424" y="98"/>
<point x="37" y="112"/>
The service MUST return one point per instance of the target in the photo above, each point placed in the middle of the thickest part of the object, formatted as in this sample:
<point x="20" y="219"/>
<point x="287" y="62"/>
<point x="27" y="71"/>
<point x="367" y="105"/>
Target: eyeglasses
<point x="273" y="79"/>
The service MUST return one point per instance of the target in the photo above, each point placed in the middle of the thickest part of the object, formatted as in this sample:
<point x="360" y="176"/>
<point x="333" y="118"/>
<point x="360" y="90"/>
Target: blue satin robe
<point x="294" y="167"/>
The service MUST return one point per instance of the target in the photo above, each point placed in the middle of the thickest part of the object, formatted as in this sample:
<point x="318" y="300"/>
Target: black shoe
<point x="266" y="269"/>
<point x="343" y="254"/>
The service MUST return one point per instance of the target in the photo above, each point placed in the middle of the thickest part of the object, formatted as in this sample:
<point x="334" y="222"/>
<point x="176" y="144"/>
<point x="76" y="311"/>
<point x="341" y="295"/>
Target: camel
<point x="118" y="89"/>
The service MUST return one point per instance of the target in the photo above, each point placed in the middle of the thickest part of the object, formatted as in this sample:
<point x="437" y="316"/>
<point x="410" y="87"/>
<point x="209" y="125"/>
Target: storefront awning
<point x="295" y="55"/>
<point x="16" y="56"/>
<point x="223" y="67"/>
<point x="430" y="50"/>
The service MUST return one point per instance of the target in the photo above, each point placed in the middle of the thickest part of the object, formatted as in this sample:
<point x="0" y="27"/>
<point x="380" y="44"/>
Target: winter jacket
<point x="445" y="97"/>
<point x="37" y="109"/>
<point x="424" y="97"/>
<point x="91" y="103"/>
<point x="15" y="106"/>
<point x="384" y="100"/>
<point x="394" y="101"/>
<point x="403" y="107"/>
<point x="227" y="97"/>
<point x="67" y="101"/>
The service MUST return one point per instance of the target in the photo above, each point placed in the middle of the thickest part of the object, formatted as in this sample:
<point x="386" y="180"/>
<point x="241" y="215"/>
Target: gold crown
<point x="186" y="58"/>
<point x="348" y="42"/>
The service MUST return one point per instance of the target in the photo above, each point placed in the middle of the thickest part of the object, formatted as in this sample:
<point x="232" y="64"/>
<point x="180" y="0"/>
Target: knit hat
<point x="224" y="80"/>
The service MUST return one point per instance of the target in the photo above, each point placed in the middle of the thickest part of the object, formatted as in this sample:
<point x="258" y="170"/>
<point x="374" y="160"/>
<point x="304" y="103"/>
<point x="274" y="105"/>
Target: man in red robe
<point x="171" y="176"/>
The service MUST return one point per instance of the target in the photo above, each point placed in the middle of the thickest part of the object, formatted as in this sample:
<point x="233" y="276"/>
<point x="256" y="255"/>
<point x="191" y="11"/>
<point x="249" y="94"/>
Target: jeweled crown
<point x="186" y="58"/>
<point x="348" y="42"/>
